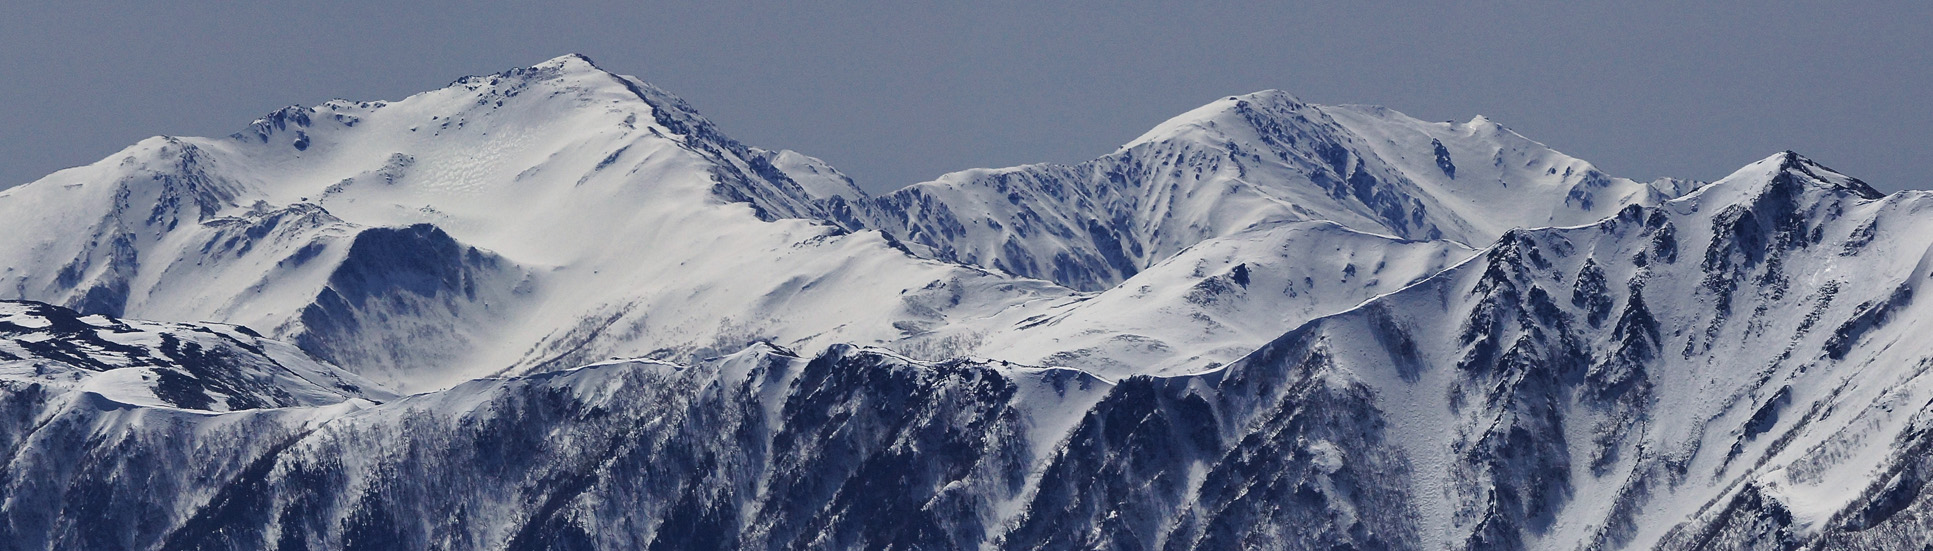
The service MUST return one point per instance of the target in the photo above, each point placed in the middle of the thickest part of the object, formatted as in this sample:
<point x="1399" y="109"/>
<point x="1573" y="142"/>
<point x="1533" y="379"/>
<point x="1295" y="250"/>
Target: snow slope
<point x="1210" y="304"/>
<point x="534" y="219"/>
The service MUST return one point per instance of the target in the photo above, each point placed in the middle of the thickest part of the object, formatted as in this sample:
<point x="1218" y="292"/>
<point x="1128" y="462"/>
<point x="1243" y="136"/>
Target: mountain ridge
<point x="547" y="171"/>
<point x="1237" y="162"/>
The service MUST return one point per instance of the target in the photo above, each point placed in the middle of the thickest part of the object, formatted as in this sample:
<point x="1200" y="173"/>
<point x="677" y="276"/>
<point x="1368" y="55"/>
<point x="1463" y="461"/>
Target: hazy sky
<point x="896" y="93"/>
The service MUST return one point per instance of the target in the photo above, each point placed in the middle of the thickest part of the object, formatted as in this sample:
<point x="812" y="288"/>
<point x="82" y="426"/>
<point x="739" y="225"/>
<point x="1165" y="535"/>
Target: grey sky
<point x="895" y="93"/>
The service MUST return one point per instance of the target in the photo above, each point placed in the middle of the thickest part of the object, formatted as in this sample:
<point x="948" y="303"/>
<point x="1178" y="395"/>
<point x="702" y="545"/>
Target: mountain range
<point x="557" y="308"/>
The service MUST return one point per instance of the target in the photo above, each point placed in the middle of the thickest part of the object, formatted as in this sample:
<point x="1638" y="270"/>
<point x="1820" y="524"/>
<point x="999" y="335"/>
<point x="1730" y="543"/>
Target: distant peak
<point x="574" y="67"/>
<point x="1270" y="95"/>
<point x="1787" y="170"/>
<point x="568" y="61"/>
<point x="1209" y="119"/>
<point x="1792" y="162"/>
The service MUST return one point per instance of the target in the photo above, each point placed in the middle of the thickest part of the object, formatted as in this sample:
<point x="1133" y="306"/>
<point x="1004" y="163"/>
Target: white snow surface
<point x="1212" y="303"/>
<point x="1251" y="161"/>
<point x="600" y="228"/>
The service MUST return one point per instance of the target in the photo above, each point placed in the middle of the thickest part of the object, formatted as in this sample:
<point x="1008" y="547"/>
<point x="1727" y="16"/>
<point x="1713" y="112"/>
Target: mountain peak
<point x="1785" y="173"/>
<point x="1269" y="95"/>
<point x="1789" y="162"/>
<point x="576" y="68"/>
<point x="1213" y="121"/>
<point x="570" y="61"/>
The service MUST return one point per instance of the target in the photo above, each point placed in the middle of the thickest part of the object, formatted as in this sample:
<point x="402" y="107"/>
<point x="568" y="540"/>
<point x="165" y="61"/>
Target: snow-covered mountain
<point x="1249" y="161"/>
<point x="557" y="215"/>
<point x="535" y="219"/>
<point x="1263" y="324"/>
<point x="560" y="214"/>
<point x="1728" y="370"/>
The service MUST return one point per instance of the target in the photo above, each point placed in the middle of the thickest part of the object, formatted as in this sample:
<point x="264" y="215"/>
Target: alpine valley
<point x="556" y="308"/>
